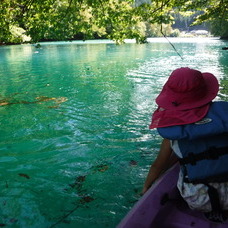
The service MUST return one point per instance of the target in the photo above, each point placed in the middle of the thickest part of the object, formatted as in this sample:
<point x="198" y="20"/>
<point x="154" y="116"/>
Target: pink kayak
<point x="163" y="207"/>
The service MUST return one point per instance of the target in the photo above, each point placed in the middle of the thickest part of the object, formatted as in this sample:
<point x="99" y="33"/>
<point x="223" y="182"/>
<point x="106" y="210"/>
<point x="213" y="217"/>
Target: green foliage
<point x="219" y="28"/>
<point x="156" y="30"/>
<point x="216" y="13"/>
<point x="5" y="18"/>
<point x="113" y="19"/>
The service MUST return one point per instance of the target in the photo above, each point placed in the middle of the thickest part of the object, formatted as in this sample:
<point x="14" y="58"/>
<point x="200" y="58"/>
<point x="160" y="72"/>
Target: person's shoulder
<point x="219" y="106"/>
<point x="218" y="112"/>
<point x="219" y="103"/>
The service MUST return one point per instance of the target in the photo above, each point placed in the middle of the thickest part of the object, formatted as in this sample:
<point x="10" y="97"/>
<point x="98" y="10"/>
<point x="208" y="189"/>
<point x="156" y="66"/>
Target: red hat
<point x="185" y="98"/>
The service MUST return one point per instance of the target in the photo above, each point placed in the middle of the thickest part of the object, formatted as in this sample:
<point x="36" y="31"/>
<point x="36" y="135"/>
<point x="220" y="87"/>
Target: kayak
<point x="162" y="207"/>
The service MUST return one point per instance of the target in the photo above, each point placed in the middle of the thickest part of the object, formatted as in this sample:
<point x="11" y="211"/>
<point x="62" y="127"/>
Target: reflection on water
<point x="75" y="144"/>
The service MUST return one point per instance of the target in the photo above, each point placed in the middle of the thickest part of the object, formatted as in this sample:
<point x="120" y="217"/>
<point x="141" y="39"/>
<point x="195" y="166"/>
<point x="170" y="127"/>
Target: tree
<point x="113" y="19"/>
<point x="215" y="12"/>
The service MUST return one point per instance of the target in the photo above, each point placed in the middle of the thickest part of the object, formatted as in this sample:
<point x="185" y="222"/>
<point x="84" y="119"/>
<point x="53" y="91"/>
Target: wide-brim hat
<point x="185" y="98"/>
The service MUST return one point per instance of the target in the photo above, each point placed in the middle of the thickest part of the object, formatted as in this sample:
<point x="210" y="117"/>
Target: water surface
<point x="74" y="139"/>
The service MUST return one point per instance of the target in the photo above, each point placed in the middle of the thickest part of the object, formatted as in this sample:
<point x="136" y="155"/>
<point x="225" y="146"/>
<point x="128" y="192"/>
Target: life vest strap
<point x="217" y="214"/>
<point x="211" y="154"/>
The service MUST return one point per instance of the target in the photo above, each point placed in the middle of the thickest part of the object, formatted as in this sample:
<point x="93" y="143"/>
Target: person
<point x="195" y="133"/>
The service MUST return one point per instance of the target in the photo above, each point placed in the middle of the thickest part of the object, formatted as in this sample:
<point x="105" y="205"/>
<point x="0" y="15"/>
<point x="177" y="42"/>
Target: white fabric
<point x="196" y="194"/>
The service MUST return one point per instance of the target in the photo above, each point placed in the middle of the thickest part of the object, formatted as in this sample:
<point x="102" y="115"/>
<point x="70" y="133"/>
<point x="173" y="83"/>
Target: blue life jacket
<point x="203" y="145"/>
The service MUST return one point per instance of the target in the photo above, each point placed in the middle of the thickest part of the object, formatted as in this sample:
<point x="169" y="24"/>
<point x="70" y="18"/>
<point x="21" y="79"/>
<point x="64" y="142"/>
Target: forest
<point x="47" y="20"/>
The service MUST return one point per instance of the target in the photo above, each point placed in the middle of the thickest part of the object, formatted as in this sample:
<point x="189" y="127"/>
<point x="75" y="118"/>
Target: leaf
<point x="80" y="179"/>
<point x="24" y="175"/>
<point x="86" y="199"/>
<point x="101" y="168"/>
<point x="133" y="163"/>
<point x="4" y="103"/>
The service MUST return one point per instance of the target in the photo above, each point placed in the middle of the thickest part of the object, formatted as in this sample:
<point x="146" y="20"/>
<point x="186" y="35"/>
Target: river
<point x="74" y="139"/>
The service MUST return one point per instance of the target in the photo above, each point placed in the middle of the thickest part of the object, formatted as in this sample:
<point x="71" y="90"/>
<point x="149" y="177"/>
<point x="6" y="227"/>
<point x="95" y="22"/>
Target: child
<point x="195" y="132"/>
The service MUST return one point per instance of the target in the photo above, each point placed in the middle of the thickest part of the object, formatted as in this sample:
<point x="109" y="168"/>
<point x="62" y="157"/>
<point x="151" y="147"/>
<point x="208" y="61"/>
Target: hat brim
<point x="211" y="86"/>
<point x="167" y="118"/>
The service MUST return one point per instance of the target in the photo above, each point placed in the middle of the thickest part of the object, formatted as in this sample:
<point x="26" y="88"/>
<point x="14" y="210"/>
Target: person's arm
<point x="161" y="163"/>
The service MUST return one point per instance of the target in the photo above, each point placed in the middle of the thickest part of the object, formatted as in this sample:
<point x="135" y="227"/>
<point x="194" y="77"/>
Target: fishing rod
<point x="161" y="30"/>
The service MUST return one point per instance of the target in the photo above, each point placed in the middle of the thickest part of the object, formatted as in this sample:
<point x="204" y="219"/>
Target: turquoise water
<point x="74" y="139"/>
